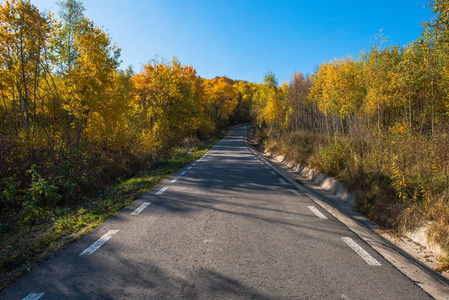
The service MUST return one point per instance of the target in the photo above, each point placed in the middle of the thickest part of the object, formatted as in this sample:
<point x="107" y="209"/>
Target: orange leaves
<point x="62" y="77"/>
<point x="172" y="101"/>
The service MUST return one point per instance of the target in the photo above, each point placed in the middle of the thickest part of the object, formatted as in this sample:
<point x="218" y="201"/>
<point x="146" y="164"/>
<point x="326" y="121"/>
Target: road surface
<point x="225" y="227"/>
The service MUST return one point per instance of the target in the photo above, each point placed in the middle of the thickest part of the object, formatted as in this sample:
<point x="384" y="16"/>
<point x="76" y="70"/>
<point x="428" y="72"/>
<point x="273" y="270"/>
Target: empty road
<point x="225" y="227"/>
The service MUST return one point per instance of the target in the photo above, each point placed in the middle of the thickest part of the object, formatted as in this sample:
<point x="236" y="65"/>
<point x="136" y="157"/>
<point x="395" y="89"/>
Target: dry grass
<point x="401" y="179"/>
<point x="438" y="213"/>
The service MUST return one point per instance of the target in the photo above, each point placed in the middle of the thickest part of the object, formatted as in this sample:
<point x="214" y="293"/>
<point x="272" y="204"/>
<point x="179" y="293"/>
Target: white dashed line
<point x="194" y="164"/>
<point x="174" y="180"/>
<point x="359" y="250"/>
<point x="267" y="167"/>
<point x="162" y="190"/>
<point x="189" y="168"/>
<point x="183" y="173"/>
<point x="282" y="181"/>
<point x="99" y="243"/>
<point x="33" y="296"/>
<point x="274" y="173"/>
<point x="140" y="208"/>
<point x="317" y="212"/>
<point x="295" y="193"/>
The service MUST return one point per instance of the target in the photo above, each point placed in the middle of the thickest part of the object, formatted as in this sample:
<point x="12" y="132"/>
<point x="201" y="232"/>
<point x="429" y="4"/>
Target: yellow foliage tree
<point x="222" y="99"/>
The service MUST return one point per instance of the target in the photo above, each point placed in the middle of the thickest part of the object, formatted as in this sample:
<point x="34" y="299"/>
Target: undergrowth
<point x="401" y="179"/>
<point x="34" y="234"/>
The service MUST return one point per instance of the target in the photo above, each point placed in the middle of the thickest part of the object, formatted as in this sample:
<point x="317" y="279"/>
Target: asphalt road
<point x="228" y="227"/>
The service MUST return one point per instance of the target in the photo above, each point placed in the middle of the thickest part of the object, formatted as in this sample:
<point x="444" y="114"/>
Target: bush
<point x="10" y="193"/>
<point x="333" y="157"/>
<point x="40" y="198"/>
<point x="401" y="178"/>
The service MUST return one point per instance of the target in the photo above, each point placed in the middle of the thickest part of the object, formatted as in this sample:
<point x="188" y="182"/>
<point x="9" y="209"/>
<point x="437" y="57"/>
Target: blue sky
<point x="245" y="39"/>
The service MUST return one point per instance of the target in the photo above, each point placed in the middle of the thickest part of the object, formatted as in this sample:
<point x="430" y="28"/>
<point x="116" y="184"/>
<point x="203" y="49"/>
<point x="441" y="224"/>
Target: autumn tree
<point x="167" y="97"/>
<point x="299" y="109"/>
<point x="245" y="91"/>
<point x="437" y="34"/>
<point x="221" y="99"/>
<point x="64" y="55"/>
<point x="91" y="77"/>
<point x="268" y="102"/>
<point x="23" y="37"/>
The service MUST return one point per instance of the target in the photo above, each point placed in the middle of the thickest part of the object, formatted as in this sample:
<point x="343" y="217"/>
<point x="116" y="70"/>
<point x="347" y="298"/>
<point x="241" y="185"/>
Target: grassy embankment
<point x="27" y="244"/>
<point x="401" y="180"/>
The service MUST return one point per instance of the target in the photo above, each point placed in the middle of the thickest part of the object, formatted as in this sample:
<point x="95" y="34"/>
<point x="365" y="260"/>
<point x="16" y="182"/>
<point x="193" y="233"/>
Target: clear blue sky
<point x="243" y="39"/>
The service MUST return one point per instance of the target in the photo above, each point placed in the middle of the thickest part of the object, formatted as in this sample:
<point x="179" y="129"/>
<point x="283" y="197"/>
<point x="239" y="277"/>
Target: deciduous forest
<point x="71" y="119"/>
<point x="74" y="124"/>
<point x="378" y="122"/>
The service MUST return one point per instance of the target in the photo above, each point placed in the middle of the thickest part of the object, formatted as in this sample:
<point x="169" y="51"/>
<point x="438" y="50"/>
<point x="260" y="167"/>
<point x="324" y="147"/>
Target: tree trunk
<point x="23" y="97"/>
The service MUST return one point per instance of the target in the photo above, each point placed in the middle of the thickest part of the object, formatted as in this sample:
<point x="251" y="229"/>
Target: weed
<point x="299" y="181"/>
<point x="42" y="231"/>
<point x="333" y="157"/>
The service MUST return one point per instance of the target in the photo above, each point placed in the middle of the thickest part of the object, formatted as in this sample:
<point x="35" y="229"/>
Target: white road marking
<point x="282" y="181"/>
<point x="261" y="163"/>
<point x="360" y="251"/>
<point x="140" y="208"/>
<point x="194" y="164"/>
<point x="33" y="296"/>
<point x="183" y="173"/>
<point x="274" y="173"/>
<point x="317" y="212"/>
<point x="174" y="180"/>
<point x="295" y="193"/>
<point x="99" y="243"/>
<point x="162" y="190"/>
<point x="189" y="168"/>
<point x="267" y="167"/>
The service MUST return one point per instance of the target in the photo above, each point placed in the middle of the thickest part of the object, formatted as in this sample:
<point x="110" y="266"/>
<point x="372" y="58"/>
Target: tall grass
<point x="401" y="179"/>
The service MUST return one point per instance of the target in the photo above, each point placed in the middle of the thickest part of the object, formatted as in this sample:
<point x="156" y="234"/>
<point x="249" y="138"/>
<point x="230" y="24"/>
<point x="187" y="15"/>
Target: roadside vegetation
<point x="25" y="245"/>
<point x="379" y="123"/>
<point x="80" y="138"/>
